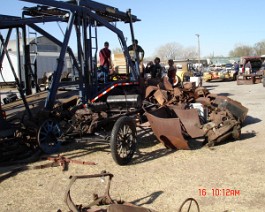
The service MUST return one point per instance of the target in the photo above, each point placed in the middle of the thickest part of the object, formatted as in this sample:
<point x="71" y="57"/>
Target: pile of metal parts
<point x="188" y="117"/>
<point x="105" y="203"/>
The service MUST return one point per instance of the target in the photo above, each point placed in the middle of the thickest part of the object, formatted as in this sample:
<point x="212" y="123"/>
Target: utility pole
<point x="199" y="56"/>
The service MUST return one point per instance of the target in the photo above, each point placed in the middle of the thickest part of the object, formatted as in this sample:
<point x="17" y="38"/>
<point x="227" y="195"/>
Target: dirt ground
<point x="159" y="178"/>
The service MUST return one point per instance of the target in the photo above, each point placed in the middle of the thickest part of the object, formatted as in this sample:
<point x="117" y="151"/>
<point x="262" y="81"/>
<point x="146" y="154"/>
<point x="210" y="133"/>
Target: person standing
<point x="171" y="72"/>
<point x="105" y="60"/>
<point x="248" y="65"/>
<point x="156" y="69"/>
<point x="139" y="50"/>
<point x="236" y="68"/>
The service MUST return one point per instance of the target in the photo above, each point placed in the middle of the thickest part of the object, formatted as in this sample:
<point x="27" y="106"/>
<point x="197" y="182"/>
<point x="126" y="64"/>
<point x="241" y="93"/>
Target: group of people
<point x="105" y="57"/>
<point x="153" y="68"/>
<point x="246" y="66"/>
<point x="157" y="71"/>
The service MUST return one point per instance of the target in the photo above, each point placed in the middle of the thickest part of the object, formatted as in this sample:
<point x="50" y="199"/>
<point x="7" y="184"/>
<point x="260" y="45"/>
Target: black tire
<point x="123" y="140"/>
<point x="48" y="135"/>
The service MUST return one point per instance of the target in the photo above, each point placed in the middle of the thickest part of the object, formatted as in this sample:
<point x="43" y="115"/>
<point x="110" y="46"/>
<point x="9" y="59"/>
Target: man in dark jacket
<point x="139" y="50"/>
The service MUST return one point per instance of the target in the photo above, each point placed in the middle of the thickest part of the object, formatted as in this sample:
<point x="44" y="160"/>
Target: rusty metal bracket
<point x="64" y="162"/>
<point x="102" y="200"/>
<point x="56" y="161"/>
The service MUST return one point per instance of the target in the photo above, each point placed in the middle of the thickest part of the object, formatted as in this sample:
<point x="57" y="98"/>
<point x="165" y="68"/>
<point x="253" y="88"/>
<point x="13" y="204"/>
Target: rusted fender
<point x="190" y="119"/>
<point x="167" y="131"/>
<point x="166" y="124"/>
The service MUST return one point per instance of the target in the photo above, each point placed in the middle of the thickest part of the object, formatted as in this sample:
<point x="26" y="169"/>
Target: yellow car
<point x="219" y="75"/>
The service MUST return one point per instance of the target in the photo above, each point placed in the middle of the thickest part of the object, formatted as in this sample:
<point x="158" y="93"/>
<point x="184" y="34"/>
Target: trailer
<point x="82" y="106"/>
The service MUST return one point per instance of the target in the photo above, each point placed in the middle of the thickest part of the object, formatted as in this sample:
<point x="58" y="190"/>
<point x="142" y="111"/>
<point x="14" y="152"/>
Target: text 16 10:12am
<point x="219" y="192"/>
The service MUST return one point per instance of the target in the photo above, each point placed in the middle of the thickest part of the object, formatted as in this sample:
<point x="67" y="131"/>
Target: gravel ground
<point x="158" y="178"/>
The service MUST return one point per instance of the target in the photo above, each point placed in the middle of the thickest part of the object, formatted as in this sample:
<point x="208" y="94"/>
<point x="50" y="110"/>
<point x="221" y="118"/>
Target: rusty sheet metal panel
<point x="190" y="120"/>
<point x="166" y="129"/>
<point x="235" y="107"/>
<point x="149" y="90"/>
<point x="161" y="96"/>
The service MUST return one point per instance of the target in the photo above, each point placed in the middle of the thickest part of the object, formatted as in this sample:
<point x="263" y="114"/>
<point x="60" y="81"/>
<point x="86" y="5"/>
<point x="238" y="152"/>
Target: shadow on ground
<point x="225" y="94"/>
<point x="244" y="136"/>
<point x="210" y="87"/>
<point x="147" y="199"/>
<point x="142" y="157"/>
<point x="85" y="146"/>
<point x="251" y="120"/>
<point x="145" y="137"/>
<point x="247" y="135"/>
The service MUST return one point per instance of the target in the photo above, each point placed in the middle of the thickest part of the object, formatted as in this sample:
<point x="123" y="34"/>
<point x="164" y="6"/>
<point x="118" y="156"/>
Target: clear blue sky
<point x="221" y="24"/>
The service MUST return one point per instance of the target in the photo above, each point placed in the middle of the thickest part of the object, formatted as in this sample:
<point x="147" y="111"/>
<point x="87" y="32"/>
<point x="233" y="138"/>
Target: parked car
<point x="219" y="75"/>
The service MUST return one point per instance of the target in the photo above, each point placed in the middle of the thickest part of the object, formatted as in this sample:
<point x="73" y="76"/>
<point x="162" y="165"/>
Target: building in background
<point x="43" y="55"/>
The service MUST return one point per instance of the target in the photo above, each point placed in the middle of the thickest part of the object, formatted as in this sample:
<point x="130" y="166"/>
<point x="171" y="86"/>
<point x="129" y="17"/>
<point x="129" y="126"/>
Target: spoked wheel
<point x="48" y="135"/>
<point x="123" y="140"/>
<point x="189" y="205"/>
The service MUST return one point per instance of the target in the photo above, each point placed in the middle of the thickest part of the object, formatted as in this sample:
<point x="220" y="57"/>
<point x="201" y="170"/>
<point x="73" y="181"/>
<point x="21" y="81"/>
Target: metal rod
<point x="16" y="78"/>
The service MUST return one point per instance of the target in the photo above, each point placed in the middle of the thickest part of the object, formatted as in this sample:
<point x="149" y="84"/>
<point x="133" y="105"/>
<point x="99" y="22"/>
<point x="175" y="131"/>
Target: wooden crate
<point x="246" y="79"/>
